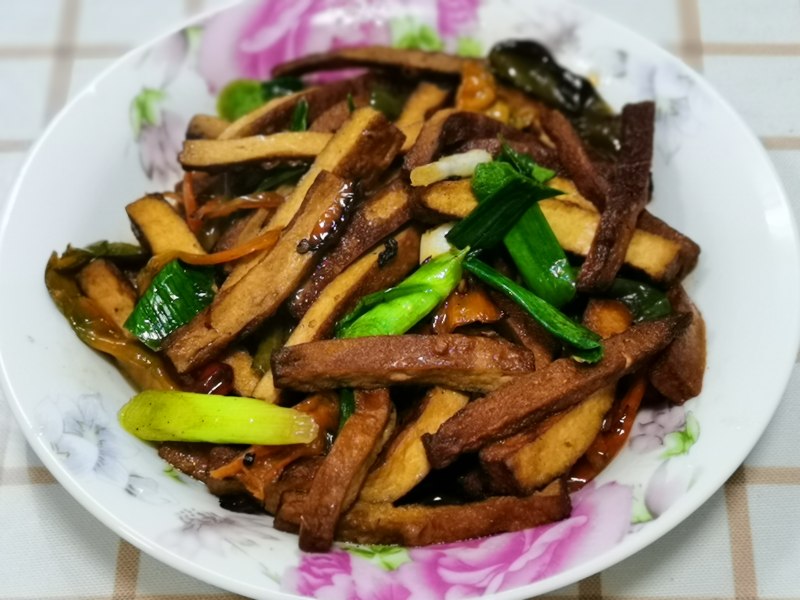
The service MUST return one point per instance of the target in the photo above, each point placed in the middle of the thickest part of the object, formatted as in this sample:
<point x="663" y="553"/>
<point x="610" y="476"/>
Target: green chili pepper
<point x="586" y="345"/>
<point x="398" y="309"/>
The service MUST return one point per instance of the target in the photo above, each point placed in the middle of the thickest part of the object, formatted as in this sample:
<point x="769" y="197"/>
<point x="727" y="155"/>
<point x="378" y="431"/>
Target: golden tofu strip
<point x="241" y="308"/>
<point x="425" y="99"/>
<point x="245" y="377"/>
<point x="405" y="463"/>
<point x="368" y="274"/>
<point x="101" y="281"/>
<point x="209" y="155"/>
<point x="360" y="151"/>
<point x="160" y="228"/>
<point x="205" y="127"/>
<point x="573" y="226"/>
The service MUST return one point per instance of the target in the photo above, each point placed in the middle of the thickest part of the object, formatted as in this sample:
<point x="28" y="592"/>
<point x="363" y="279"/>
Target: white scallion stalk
<point x="455" y="165"/>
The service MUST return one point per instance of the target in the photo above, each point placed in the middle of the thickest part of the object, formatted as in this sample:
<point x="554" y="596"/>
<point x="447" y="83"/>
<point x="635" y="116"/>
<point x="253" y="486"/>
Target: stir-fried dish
<point x="416" y="305"/>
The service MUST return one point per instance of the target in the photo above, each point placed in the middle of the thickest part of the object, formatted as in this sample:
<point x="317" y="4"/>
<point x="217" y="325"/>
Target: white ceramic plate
<point x="118" y="139"/>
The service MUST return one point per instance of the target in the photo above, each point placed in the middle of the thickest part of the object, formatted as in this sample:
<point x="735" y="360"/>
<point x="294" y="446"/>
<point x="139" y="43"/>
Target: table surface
<point x="743" y="543"/>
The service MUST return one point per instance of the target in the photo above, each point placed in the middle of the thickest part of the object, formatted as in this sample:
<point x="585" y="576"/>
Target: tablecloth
<point x="743" y="543"/>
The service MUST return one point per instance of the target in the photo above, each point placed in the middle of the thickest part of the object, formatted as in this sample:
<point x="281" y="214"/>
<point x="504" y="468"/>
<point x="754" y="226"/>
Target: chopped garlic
<point x="455" y="165"/>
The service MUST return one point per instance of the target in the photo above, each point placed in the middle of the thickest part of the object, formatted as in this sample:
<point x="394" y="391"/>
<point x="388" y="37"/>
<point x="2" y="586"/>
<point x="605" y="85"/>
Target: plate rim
<point x="684" y="508"/>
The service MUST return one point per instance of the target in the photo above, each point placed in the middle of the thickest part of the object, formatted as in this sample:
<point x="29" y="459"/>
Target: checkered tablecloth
<point x="743" y="543"/>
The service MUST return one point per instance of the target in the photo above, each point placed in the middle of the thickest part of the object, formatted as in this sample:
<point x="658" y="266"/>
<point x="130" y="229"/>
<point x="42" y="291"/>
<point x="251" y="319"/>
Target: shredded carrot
<point x="190" y="203"/>
<point x="265" y="241"/>
<point x="221" y="207"/>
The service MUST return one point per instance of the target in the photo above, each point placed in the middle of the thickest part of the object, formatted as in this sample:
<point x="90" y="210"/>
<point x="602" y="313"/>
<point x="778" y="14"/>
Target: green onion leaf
<point x="503" y="197"/>
<point x="351" y="103"/>
<point x="586" y="345"/>
<point x="280" y="86"/>
<point x="645" y="302"/>
<point x="347" y="405"/>
<point x="300" y="116"/>
<point x="162" y="416"/>
<point x="242" y="96"/>
<point x="289" y="174"/>
<point x="398" y="309"/>
<point x="387" y="101"/>
<point x="525" y="165"/>
<point x="176" y="294"/>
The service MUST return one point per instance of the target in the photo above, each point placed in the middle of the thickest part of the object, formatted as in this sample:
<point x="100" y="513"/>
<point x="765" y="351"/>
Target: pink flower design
<point x="655" y="423"/>
<point x="248" y="41"/>
<point x="159" y="145"/>
<point x="599" y="520"/>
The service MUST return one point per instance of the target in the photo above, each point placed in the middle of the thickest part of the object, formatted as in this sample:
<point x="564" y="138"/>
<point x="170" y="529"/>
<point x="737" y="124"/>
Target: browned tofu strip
<point x="297" y="477"/>
<point x="157" y="225"/>
<point x="518" y="326"/>
<point x="363" y="277"/>
<point x="276" y="115"/>
<point x="339" y="478"/>
<point x="426" y="98"/>
<point x="526" y="461"/>
<point x="375" y="219"/>
<point x="404" y="462"/>
<point x="678" y="373"/>
<point x="198" y="459"/>
<point x="629" y="193"/>
<point x="210" y="155"/>
<point x="205" y="127"/>
<point x="574" y="227"/>
<point x="530" y="459"/>
<point x="420" y="525"/>
<point x="593" y="185"/>
<point x="333" y="118"/>
<point x="575" y="159"/>
<point x="533" y="397"/>
<point x="374" y="56"/>
<point x="471" y="363"/>
<point x="258" y="294"/>
<point x="103" y="282"/>
<point x="360" y="151"/>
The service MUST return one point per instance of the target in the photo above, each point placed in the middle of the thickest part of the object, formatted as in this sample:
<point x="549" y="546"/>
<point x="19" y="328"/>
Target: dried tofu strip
<point x="574" y="227"/>
<point x="678" y="373"/>
<point x="426" y="98"/>
<point x="531" y="398"/>
<point x="360" y="151"/>
<point x="209" y="155"/>
<point x="526" y="461"/>
<point x="245" y="377"/>
<point x="339" y="478"/>
<point x="276" y="115"/>
<point x="103" y="282"/>
<point x="381" y="215"/>
<point x="375" y="56"/>
<point x="157" y="225"/>
<point x="405" y="463"/>
<point x="519" y="327"/>
<point x="471" y="363"/>
<point x="205" y="127"/>
<point x="422" y="525"/>
<point x="241" y="308"/>
<point x="368" y="274"/>
<point x="629" y="193"/>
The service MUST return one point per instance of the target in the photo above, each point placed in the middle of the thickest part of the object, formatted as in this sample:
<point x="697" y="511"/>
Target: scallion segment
<point x="300" y="116"/>
<point x="176" y="294"/>
<point x="645" y="302"/>
<point x="585" y="344"/>
<point x="161" y="416"/>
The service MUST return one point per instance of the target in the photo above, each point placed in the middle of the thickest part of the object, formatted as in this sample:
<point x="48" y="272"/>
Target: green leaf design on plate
<point x="145" y="109"/>
<point x="640" y="513"/>
<point x="173" y="473"/>
<point x="410" y="34"/>
<point x="680" y="442"/>
<point x="388" y="558"/>
<point x="469" y="47"/>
